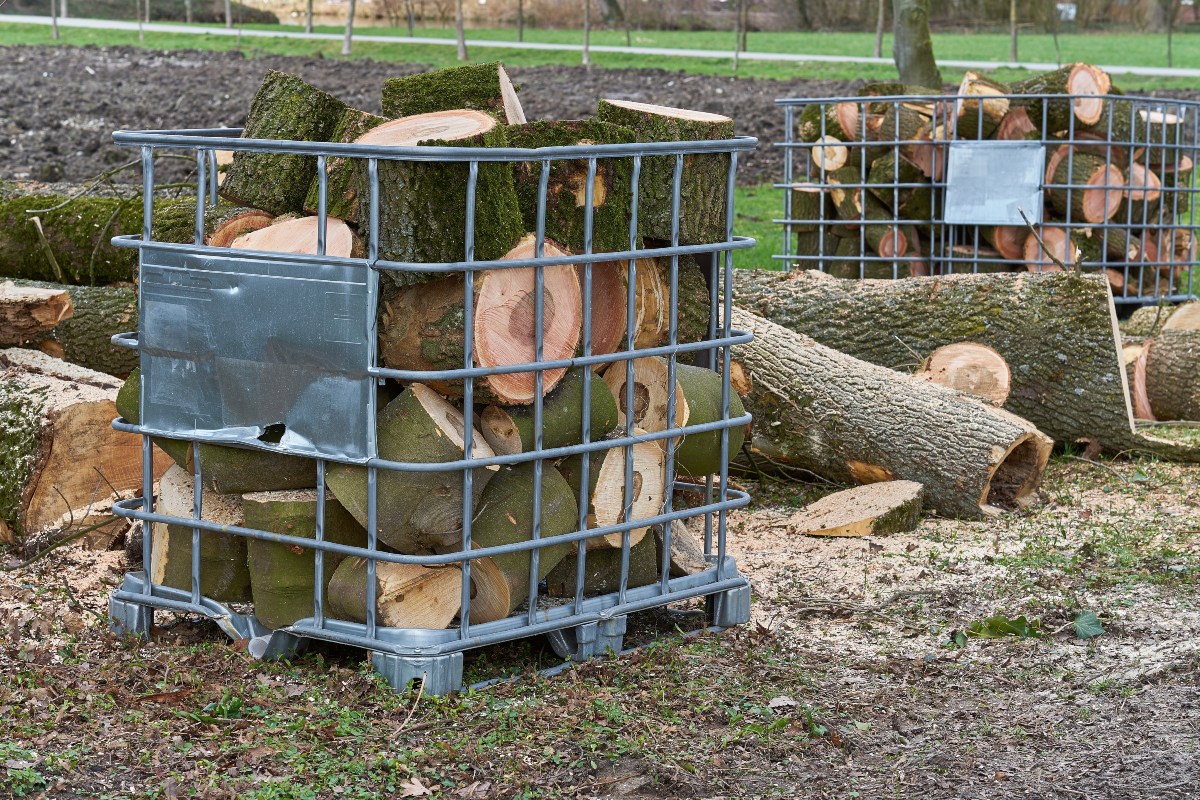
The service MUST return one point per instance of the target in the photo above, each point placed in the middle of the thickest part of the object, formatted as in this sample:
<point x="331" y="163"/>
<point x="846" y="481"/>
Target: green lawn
<point x="1126" y="48"/>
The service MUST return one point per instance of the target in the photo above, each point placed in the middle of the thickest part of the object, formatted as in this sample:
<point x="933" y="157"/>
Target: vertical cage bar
<point x="197" y="513"/>
<point x="586" y="410"/>
<point x="322" y="204"/>
<point x="539" y="335"/>
<point x="201" y="190"/>
<point x="318" y="553"/>
<point x="788" y="149"/>
<point x="464" y="616"/>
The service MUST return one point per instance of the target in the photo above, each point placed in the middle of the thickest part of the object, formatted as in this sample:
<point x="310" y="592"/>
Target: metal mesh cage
<point x="300" y="330"/>
<point x="910" y="185"/>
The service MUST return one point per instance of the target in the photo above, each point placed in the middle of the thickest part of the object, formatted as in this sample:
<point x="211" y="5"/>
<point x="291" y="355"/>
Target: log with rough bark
<point x="704" y="179"/>
<point x="284" y="107"/>
<point x="606" y="488"/>
<point x="981" y="106"/>
<point x="505" y="516"/>
<point x="1173" y="366"/>
<point x="224" y="574"/>
<point x="481" y="87"/>
<point x="283" y="577"/>
<point x="341" y="193"/>
<point x="602" y="570"/>
<point x="652" y="303"/>
<point x="424" y="216"/>
<point x="821" y="410"/>
<point x="968" y="367"/>
<point x="566" y="191"/>
<point x="421" y="325"/>
<point x="58" y="452"/>
<point x="1147" y="320"/>
<point x="875" y="509"/>
<point x="406" y="595"/>
<point x="416" y="511"/>
<point x="175" y="222"/>
<point x="511" y="429"/>
<point x="26" y="312"/>
<point x="1053" y="114"/>
<point x="1056" y="331"/>
<point x="1084" y="186"/>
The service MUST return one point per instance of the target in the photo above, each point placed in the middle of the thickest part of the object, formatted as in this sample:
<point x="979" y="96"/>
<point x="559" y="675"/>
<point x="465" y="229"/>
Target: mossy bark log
<point x="416" y="511"/>
<point x="284" y="107"/>
<point x="566" y="193"/>
<point x="1146" y="321"/>
<point x="482" y="87"/>
<point x="58" y="451"/>
<point x="511" y="430"/>
<point x="1057" y="331"/>
<point x="704" y="179"/>
<point x="406" y="595"/>
<point x="699" y="454"/>
<point x="341" y="191"/>
<point x="505" y="516"/>
<point x="602" y="570"/>
<point x="224" y="574"/>
<point x="851" y="421"/>
<point x="85" y="338"/>
<point x="283" y="577"/>
<point x="176" y="222"/>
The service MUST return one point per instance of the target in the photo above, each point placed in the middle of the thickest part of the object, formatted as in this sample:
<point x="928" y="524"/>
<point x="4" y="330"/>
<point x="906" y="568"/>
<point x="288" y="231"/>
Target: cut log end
<point x="1091" y="84"/>
<point x="1014" y="481"/>
<point x="972" y="368"/>
<point x="871" y="510"/>
<point x="649" y="395"/>
<point x="300" y="236"/>
<point x="646" y="492"/>
<point x="444" y="126"/>
<point x="830" y="153"/>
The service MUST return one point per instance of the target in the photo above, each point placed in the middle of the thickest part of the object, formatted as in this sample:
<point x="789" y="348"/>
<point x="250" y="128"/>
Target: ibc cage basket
<point x="257" y="352"/>
<point x="900" y="185"/>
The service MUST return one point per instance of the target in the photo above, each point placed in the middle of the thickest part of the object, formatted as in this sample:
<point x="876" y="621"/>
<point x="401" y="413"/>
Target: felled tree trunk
<point x="284" y="107"/>
<point x="704" y="178"/>
<point x="58" y="452"/>
<point x="1057" y="331"/>
<point x="482" y="87"/>
<point x="511" y="430"/>
<point x="566" y="200"/>
<point x="283" y="577"/>
<point x="606" y="488"/>
<point x="416" y="511"/>
<point x="1173" y="366"/>
<point x="505" y="516"/>
<point x="341" y="198"/>
<point x="855" y="422"/>
<point x="406" y="595"/>
<point x="28" y="311"/>
<point x="224" y="575"/>
<point x="421" y="326"/>
<point x="424" y="217"/>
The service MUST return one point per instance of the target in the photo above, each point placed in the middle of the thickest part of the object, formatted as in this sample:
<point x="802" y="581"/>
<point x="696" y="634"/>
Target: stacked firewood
<point x="1117" y="187"/>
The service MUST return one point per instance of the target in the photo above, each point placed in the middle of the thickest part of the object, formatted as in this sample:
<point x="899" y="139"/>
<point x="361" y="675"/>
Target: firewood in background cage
<point x="415" y="511"/>
<point x="1141" y="201"/>
<point x="1007" y="240"/>
<point x="421" y="325"/>
<point x="875" y="509"/>
<point x="510" y="429"/>
<point x="606" y="488"/>
<point x="966" y="259"/>
<point x="341" y="197"/>
<point x="480" y="87"/>
<point x="969" y="367"/>
<point x="224" y="574"/>
<point x="1049" y="248"/>
<point x="704" y="178"/>
<point x="602" y="570"/>
<point x="1088" y="83"/>
<point x="282" y="576"/>
<point x="423" y="204"/>
<point x="406" y="595"/>
<point x="1162" y="132"/>
<point x="1016" y="126"/>
<point x="287" y="108"/>
<point x="981" y="106"/>
<point x="1082" y="186"/>
<point x="1172" y="380"/>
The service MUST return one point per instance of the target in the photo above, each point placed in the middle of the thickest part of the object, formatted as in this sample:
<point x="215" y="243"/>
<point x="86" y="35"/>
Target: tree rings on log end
<point x="874" y="509"/>
<point x="299" y="235"/>
<point x="972" y="368"/>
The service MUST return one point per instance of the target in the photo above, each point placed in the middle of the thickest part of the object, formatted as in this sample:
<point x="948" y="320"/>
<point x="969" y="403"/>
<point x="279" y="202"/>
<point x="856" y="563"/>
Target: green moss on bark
<point x="341" y="198"/>
<point x="85" y="338"/>
<point x="474" y="86"/>
<point x="20" y="425"/>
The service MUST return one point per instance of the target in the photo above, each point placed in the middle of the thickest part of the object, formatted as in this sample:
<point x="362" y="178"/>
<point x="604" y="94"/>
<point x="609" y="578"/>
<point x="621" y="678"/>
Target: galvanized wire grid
<point x="1160" y="265"/>
<point x="716" y="496"/>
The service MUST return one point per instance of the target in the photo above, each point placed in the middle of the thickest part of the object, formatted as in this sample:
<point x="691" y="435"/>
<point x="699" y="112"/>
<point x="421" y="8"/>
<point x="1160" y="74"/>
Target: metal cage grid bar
<point x="898" y="222"/>
<point x="402" y="654"/>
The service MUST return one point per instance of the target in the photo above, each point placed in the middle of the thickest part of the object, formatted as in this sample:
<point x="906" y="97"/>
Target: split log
<point x="505" y="516"/>
<point x="974" y="369"/>
<point x="566" y="192"/>
<point x="224" y="574"/>
<point x="416" y="511"/>
<point x="687" y="550"/>
<point x="602" y="570"/>
<point x="981" y="106"/>
<point x="1134" y="355"/>
<point x="1053" y="114"/>
<point x="299" y="235"/>
<point x="425" y="216"/>
<point x="511" y="430"/>
<point x="855" y="422"/>
<point x="1173" y="366"/>
<point x="1058" y="333"/>
<point x="1084" y="186"/>
<point x="1016" y="125"/>
<point x="283" y="577"/>
<point x="284" y="107"/>
<point x="223" y="468"/>
<point x="697" y="402"/>
<point x="59" y="453"/>
<point x="28" y="311"/>
<point x="704" y="179"/>
<point x="341" y="191"/>
<point x="876" y="509"/>
<point x="421" y="325"/>
<point x="606" y="488"/>
<point x="840" y="120"/>
<point x="175" y="222"/>
<point x="652" y="310"/>
<point x="481" y="87"/>
<point x="406" y="595"/>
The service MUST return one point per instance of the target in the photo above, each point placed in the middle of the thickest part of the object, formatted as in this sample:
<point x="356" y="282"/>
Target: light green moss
<point x="20" y="422"/>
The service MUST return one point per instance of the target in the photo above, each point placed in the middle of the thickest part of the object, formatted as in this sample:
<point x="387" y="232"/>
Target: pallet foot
<point x="729" y="608"/>
<point x="130" y="619"/>
<point x="589" y="640"/>
<point x="439" y="674"/>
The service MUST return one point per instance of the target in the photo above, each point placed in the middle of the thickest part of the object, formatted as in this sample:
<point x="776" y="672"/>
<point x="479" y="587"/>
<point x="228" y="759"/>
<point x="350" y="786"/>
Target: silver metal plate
<point x="233" y="345"/>
<point x="990" y="183"/>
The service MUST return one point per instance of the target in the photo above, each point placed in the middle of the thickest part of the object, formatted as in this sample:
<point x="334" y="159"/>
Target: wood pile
<point x="1117" y="189"/>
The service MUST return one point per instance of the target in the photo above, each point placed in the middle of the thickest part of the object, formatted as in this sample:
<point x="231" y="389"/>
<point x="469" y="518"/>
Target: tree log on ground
<point x="1173" y="366"/>
<point x="855" y="422"/>
<point x="1057" y="332"/>
<point x="28" y="311"/>
<point x="59" y="453"/>
<point x="872" y="510"/>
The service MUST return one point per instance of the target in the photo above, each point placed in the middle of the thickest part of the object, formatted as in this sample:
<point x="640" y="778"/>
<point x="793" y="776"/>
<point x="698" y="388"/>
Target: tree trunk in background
<point x="187" y="11"/>
<point x="459" y="34"/>
<point x="879" y="29"/>
<point x="347" y="42"/>
<point x="1012" y="30"/>
<point x="587" y="32"/>
<point x="520" y="20"/>
<point x="228" y="14"/>
<point x="1170" y="10"/>
<point x="745" y="26"/>
<point x="737" y="33"/>
<point x="912" y="46"/>
<point x="147" y="10"/>
<point x="53" y="19"/>
<point x="802" y="15"/>
<point x="308" y="17"/>
<point x="408" y="13"/>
